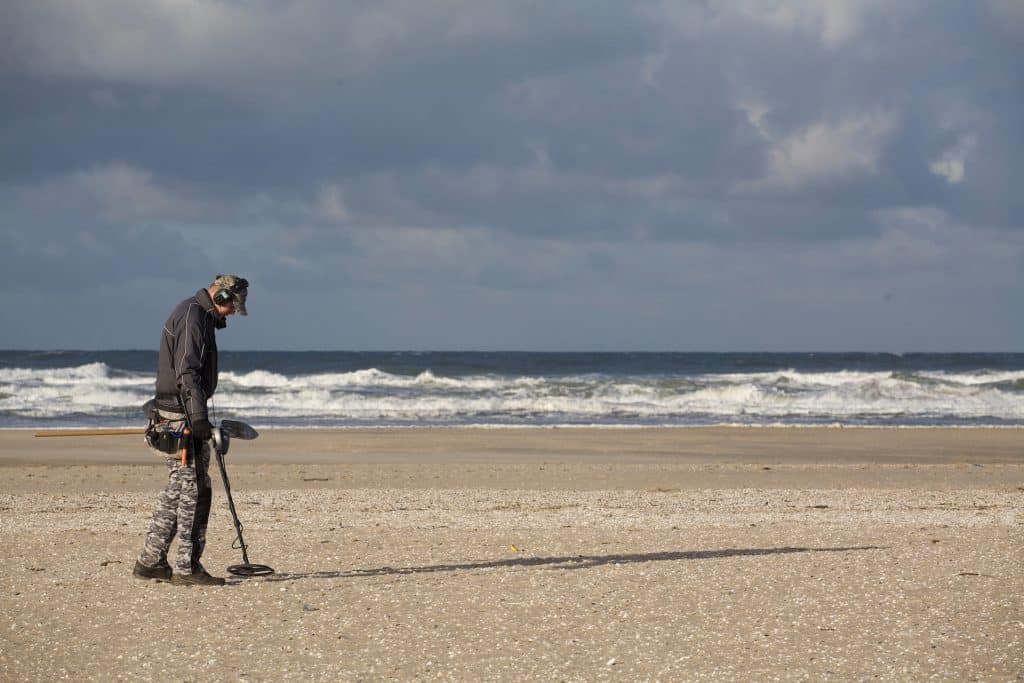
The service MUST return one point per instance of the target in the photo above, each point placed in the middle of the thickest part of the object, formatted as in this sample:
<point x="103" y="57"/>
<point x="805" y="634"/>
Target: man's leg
<point x="164" y="523"/>
<point x="205" y="500"/>
<point x="193" y="512"/>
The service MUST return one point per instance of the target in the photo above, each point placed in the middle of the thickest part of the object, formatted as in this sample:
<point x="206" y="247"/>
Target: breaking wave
<point x="95" y="393"/>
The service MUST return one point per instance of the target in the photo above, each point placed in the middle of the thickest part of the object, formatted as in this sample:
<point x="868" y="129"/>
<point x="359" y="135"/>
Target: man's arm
<point x="188" y="369"/>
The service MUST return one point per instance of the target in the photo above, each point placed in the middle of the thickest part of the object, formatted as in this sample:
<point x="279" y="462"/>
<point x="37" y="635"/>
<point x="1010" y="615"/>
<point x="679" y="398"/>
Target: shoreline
<point x="554" y="459"/>
<point x="625" y="427"/>
<point x="821" y="445"/>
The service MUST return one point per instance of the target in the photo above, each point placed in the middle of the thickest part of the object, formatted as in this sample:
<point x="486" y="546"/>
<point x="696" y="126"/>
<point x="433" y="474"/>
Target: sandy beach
<point x="512" y="554"/>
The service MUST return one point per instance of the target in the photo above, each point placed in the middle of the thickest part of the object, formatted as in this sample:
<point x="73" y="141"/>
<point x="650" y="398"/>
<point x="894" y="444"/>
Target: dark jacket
<point x="187" y="363"/>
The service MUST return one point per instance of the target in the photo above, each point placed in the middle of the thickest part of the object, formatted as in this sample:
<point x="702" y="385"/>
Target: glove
<point x="202" y="429"/>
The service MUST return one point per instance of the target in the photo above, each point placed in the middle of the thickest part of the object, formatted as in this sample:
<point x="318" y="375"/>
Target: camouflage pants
<point x="183" y="509"/>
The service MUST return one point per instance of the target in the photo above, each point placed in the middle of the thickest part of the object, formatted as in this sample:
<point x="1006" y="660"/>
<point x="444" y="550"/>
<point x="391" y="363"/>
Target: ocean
<point x="337" y="389"/>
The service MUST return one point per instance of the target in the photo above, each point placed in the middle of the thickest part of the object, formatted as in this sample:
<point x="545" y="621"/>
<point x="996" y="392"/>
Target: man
<point x="186" y="379"/>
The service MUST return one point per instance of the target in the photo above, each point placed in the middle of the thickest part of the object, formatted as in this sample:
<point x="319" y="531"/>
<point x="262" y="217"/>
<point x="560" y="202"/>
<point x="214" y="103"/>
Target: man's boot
<point x="161" y="572"/>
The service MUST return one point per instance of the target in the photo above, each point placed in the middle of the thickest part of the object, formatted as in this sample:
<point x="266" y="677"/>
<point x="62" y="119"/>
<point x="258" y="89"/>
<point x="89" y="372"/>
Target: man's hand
<point x="202" y="429"/>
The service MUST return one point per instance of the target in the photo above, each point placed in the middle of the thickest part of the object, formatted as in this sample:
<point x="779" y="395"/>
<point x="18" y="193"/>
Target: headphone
<point x="226" y="295"/>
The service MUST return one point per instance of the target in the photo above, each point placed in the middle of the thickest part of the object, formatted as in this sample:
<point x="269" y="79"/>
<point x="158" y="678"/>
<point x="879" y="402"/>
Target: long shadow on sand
<point x="567" y="562"/>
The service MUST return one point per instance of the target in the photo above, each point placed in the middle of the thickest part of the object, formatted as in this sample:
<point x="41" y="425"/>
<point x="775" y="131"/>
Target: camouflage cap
<point x="239" y="288"/>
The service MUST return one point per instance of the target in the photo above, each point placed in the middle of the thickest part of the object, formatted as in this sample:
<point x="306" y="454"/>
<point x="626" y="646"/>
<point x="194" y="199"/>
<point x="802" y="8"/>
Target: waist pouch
<point x="163" y="440"/>
<point x="165" y="431"/>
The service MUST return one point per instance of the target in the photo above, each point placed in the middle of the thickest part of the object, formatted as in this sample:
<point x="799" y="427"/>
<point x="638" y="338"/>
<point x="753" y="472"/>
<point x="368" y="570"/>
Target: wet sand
<point x="555" y="554"/>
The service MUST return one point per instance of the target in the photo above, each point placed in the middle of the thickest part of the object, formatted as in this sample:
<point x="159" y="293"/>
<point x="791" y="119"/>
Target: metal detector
<point x="220" y="441"/>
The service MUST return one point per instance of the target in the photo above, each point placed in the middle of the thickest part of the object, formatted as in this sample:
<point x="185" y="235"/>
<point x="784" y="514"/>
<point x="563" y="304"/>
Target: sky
<point x="745" y="175"/>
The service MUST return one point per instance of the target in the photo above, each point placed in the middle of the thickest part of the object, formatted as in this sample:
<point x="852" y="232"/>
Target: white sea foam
<point x="982" y="377"/>
<point x="82" y="374"/>
<point x="371" y="396"/>
<point x="85" y="390"/>
<point x="370" y="377"/>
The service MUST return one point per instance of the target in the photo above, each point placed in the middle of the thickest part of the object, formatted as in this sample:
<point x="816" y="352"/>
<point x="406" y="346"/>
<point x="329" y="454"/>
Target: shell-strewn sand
<point x="750" y="554"/>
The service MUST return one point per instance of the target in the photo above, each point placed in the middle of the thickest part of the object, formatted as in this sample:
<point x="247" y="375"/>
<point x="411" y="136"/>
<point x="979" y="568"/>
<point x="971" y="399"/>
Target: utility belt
<point x="165" y="430"/>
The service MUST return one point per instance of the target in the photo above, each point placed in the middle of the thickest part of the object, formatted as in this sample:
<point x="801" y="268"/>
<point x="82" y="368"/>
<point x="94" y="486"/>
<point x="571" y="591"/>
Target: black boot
<point x="161" y="572"/>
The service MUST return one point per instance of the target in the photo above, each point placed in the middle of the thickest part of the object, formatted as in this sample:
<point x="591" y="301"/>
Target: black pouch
<point x="164" y="441"/>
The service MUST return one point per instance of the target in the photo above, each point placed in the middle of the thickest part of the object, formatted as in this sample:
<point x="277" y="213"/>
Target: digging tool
<point x="90" y="432"/>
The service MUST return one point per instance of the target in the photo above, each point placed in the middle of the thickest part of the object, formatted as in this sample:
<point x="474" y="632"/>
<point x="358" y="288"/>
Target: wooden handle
<point x="90" y="432"/>
<point x="184" y="445"/>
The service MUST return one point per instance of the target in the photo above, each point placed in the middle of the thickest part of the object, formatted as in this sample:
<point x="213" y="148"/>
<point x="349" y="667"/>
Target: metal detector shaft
<point x="231" y="506"/>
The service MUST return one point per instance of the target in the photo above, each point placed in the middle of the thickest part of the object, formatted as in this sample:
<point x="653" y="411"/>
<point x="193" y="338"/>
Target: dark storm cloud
<point x="425" y="92"/>
<point x="302" y="110"/>
<point x="397" y="151"/>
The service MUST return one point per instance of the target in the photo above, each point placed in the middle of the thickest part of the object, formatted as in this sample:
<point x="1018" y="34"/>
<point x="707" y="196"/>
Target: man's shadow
<point x="565" y="562"/>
